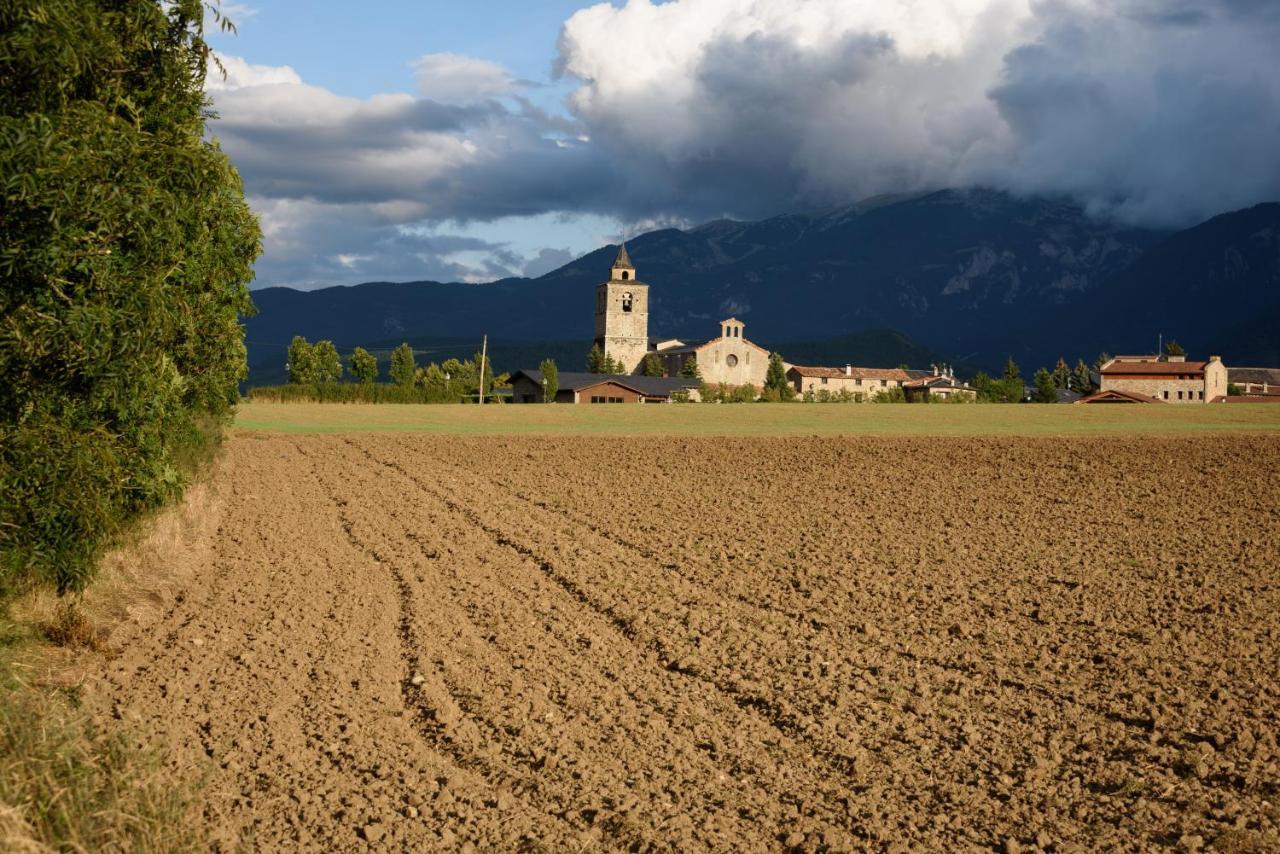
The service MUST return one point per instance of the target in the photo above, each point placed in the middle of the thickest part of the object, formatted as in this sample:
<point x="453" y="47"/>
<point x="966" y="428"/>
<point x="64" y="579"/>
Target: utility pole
<point x="484" y="356"/>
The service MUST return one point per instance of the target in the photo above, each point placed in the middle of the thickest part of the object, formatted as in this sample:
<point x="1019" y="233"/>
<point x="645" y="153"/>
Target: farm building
<point x="1263" y="382"/>
<point x="862" y="383"/>
<point x="526" y="387"/>
<point x="941" y="384"/>
<point x="1171" y="379"/>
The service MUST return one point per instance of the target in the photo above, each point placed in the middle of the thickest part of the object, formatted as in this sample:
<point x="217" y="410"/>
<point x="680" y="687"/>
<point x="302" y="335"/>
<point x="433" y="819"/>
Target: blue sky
<point x="433" y="141"/>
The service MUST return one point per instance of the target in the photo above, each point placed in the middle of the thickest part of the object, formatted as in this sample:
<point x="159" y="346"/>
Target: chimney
<point x="848" y="370"/>
<point x="1213" y="358"/>
<point x="935" y="369"/>
<point x="1177" y="358"/>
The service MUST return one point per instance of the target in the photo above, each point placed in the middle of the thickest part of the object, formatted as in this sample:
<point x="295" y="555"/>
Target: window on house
<point x="616" y="400"/>
<point x="883" y="383"/>
<point x="824" y="380"/>
<point x="595" y="398"/>
<point x="1179" y="395"/>
<point x="1166" y="395"/>
<point x="858" y="397"/>
<point x="858" y="381"/>
<point x="1201" y="395"/>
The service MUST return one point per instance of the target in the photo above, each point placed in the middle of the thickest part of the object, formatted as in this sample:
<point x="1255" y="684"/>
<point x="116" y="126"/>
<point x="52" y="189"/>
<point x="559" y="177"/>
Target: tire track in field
<point x="427" y="712"/>
<point x="785" y="723"/>
<point x="753" y="783"/>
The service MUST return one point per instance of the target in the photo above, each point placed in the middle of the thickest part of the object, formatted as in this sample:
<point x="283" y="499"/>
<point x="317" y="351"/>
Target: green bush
<point x="127" y="251"/>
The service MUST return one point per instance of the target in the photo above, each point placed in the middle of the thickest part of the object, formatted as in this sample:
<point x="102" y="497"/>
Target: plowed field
<point x="735" y="644"/>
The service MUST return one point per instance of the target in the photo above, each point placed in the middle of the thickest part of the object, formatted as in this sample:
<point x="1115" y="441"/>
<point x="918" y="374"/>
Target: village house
<point x="1171" y="379"/>
<point x="1255" y="383"/>
<point x="862" y="383"/>
<point x="940" y="384"/>
<point x="527" y="387"/>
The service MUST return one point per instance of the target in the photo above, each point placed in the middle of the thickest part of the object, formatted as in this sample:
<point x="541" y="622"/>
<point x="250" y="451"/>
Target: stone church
<point x="622" y="332"/>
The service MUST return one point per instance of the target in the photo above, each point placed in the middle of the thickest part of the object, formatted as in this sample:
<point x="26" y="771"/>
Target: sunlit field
<point x="761" y="419"/>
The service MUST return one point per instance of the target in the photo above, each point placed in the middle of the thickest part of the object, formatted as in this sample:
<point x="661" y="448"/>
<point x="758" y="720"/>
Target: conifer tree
<point x="689" y="370"/>
<point x="550" y="380"/>
<point x="1061" y="374"/>
<point x="652" y="366"/>
<point x="776" y="378"/>
<point x="1046" y="389"/>
<point x="1081" y="381"/>
<point x="596" y="360"/>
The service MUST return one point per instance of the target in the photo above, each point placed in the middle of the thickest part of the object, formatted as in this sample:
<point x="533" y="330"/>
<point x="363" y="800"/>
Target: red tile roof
<point x="896" y="374"/>
<point x="1154" y="368"/>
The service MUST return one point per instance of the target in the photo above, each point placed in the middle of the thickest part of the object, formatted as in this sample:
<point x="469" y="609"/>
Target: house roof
<point x="694" y="348"/>
<point x="1116" y="396"/>
<point x="1270" y="397"/>
<point x="1153" y="368"/>
<point x="647" y="386"/>
<point x="1271" y="376"/>
<point x="896" y="374"/>
<point x="936" y="382"/>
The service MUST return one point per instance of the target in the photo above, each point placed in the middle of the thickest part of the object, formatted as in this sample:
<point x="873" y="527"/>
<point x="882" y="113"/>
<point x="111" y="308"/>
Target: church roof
<point x="623" y="260"/>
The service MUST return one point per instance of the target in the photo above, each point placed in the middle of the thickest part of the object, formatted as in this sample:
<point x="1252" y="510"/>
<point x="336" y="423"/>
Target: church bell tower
<point x="622" y="314"/>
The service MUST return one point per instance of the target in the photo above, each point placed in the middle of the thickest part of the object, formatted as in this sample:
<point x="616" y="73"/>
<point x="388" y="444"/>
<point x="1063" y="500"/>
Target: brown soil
<point x="728" y="644"/>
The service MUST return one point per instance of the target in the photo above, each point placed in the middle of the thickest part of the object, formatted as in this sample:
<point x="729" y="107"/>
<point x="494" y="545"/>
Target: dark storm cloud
<point x="1153" y="111"/>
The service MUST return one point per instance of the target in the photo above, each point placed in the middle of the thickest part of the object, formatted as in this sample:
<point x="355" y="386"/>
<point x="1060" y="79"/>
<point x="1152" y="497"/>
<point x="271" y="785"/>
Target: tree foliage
<point x="363" y="365"/>
<point x="1173" y="348"/>
<point x="1061" y="374"/>
<point x="689" y="370"/>
<point x="328" y="364"/>
<point x="302" y="361"/>
<point x="127" y="251"/>
<point x="1046" y="387"/>
<point x="1081" y="380"/>
<point x="775" y="379"/>
<point x="652" y="366"/>
<point x="550" y="380"/>
<point x="403" y="366"/>
<point x="1012" y="371"/>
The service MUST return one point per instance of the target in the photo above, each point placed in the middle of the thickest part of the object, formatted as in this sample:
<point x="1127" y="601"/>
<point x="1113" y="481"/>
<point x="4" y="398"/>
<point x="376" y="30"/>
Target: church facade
<point x="622" y="332"/>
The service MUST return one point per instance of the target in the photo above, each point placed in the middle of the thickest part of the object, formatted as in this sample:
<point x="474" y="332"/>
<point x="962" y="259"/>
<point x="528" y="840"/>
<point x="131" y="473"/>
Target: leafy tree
<point x="1011" y="370"/>
<point x="652" y="366"/>
<point x="1081" y="381"/>
<point x="302" y="361"/>
<point x="775" y="378"/>
<point x="1046" y="388"/>
<point x="1233" y="390"/>
<point x="1173" y="348"/>
<point x="328" y="364"/>
<point x="550" y="380"/>
<point x="689" y="370"/>
<point x="998" y="391"/>
<point x="403" y="365"/>
<point x="126" y="255"/>
<point x="364" y="365"/>
<point x="1061" y="374"/>
<point x="596" y="360"/>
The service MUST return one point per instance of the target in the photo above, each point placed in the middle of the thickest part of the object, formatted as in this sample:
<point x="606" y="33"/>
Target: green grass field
<point x="760" y="419"/>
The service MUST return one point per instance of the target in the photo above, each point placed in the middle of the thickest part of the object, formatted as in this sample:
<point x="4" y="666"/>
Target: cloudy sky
<point x="467" y="141"/>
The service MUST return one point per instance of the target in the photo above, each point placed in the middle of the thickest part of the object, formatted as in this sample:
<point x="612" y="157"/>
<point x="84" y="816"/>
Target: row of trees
<point x="318" y="365"/>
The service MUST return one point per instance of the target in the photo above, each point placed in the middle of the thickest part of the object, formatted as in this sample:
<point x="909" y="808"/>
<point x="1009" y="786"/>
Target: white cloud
<point x="241" y="74"/>
<point x="454" y="79"/>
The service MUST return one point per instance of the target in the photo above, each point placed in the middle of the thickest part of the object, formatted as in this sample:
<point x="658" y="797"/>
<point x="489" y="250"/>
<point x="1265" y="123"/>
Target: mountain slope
<point x="975" y="275"/>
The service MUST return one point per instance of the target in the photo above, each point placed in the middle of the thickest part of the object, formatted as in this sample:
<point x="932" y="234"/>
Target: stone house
<point x="1171" y="379"/>
<point x="730" y="359"/>
<point x="940" y="385"/>
<point x="862" y="383"/>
